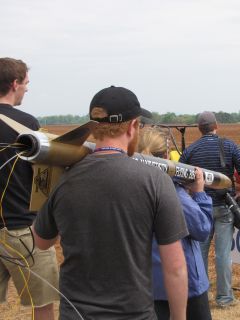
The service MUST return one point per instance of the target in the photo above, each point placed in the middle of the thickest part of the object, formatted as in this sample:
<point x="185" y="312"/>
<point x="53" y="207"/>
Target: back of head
<point x="114" y="107"/>
<point x="153" y="141"/>
<point x="207" y="122"/>
<point x="11" y="70"/>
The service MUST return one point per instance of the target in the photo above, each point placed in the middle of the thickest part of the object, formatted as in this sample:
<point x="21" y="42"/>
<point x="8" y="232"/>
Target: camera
<point x="235" y="209"/>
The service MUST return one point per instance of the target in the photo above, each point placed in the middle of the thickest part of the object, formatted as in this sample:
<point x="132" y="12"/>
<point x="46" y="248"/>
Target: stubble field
<point x="231" y="131"/>
<point x="12" y="310"/>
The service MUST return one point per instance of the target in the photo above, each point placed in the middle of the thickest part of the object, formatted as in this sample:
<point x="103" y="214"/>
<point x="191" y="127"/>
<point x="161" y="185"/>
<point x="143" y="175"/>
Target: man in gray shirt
<point x="106" y="209"/>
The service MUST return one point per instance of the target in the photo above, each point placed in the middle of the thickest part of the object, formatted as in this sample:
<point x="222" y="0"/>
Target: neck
<point x="111" y="143"/>
<point x="212" y="132"/>
<point x="109" y="150"/>
<point x="7" y="100"/>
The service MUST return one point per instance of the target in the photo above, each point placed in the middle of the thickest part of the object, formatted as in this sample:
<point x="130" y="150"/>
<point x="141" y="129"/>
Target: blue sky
<point x="178" y="56"/>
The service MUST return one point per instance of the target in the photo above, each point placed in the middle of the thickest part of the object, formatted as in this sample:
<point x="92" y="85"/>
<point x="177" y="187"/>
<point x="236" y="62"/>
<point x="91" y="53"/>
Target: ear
<point x="15" y="85"/>
<point x="133" y="125"/>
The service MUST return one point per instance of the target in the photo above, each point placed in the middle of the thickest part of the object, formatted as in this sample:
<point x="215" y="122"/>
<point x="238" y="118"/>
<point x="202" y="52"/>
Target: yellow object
<point x="174" y="155"/>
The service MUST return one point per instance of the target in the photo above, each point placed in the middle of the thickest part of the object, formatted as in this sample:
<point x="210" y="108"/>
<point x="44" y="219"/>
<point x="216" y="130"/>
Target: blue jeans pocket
<point x="222" y="214"/>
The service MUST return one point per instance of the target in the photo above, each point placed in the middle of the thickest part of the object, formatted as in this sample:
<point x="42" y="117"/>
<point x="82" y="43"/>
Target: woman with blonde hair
<point x="197" y="209"/>
<point x="154" y="141"/>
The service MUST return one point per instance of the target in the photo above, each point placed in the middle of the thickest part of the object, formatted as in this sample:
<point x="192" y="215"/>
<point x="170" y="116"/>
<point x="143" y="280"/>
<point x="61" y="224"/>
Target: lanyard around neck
<point x="109" y="149"/>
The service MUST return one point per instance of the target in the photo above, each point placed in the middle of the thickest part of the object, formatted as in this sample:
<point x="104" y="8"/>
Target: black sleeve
<point x="34" y="125"/>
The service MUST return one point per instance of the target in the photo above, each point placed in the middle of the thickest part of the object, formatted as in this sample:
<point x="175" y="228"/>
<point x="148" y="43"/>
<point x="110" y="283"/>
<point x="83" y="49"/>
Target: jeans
<point x="223" y="231"/>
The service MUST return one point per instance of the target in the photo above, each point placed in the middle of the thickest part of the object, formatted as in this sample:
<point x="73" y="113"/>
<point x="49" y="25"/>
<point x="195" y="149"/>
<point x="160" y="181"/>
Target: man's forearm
<point x="175" y="279"/>
<point x="177" y="291"/>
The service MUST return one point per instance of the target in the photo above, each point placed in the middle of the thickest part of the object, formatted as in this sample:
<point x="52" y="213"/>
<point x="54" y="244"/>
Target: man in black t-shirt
<point x="105" y="209"/>
<point x="16" y="242"/>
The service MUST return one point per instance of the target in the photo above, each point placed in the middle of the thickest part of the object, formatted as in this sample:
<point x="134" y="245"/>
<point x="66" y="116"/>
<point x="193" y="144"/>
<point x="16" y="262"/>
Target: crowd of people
<point x="135" y="241"/>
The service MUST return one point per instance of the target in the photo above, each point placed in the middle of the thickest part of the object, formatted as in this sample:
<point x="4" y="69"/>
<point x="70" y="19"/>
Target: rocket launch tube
<point x="40" y="149"/>
<point x="185" y="172"/>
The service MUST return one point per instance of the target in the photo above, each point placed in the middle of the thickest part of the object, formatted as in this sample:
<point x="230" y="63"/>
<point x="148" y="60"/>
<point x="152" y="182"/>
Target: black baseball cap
<point x="119" y="103"/>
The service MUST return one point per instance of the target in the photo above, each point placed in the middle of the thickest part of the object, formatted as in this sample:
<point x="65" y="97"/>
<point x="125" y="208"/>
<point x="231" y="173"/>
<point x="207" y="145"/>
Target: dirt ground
<point x="12" y="310"/>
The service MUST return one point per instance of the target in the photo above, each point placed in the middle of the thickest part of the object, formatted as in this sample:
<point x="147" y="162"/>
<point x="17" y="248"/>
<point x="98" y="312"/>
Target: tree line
<point x="169" y="117"/>
<point x="63" y="119"/>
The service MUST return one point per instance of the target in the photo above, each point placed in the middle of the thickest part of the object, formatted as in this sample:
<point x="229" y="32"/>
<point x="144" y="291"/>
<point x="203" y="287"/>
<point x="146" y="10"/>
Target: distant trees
<point x="169" y="117"/>
<point x="63" y="119"/>
<point x="224" y="117"/>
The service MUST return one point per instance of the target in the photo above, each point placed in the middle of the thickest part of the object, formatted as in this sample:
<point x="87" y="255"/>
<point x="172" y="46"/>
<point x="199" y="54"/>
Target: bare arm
<point x="175" y="278"/>
<point x="41" y="243"/>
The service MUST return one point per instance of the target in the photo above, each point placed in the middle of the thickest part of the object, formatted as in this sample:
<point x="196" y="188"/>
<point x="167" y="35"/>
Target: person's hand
<point x="198" y="184"/>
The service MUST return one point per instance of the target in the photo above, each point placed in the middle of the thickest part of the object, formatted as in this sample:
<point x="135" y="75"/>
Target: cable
<point x="30" y="252"/>
<point x="20" y="264"/>
<point x="61" y="294"/>
<point x="5" y="163"/>
<point x="10" y="259"/>
<point x="3" y="193"/>
<point x="12" y="145"/>
<point x="49" y="284"/>
<point x="20" y="269"/>
<point x="26" y="286"/>
<point x="4" y="235"/>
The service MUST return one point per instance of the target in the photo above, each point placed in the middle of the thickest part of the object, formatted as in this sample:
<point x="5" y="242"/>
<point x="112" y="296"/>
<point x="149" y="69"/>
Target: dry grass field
<point x="12" y="309"/>
<point x="231" y="131"/>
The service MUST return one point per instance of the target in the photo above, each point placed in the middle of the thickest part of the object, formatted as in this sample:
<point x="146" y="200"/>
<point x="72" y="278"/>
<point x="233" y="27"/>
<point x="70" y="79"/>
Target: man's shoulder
<point x="199" y="146"/>
<point x="24" y="114"/>
<point x="135" y="167"/>
<point x="228" y="141"/>
<point x="193" y="145"/>
<point x="204" y="141"/>
<point x="20" y="116"/>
